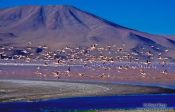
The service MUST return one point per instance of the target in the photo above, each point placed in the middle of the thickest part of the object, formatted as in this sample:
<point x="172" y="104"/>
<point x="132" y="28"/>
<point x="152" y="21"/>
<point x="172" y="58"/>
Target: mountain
<point x="60" y="26"/>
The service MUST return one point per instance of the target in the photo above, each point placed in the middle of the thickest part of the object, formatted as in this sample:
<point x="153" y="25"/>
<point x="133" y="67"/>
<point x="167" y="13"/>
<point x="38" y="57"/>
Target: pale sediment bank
<point x="28" y="90"/>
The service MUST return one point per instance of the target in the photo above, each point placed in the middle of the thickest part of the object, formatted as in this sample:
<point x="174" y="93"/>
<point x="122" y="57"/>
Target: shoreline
<point x="32" y="90"/>
<point x="140" y="76"/>
<point x="104" y="82"/>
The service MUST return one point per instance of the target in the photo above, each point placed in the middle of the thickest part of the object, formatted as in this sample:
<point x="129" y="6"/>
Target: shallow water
<point x="85" y="103"/>
<point x="105" y="102"/>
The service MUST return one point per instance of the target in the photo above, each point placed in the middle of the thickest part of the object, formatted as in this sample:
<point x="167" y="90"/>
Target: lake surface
<point x="86" y="103"/>
<point x="161" y="101"/>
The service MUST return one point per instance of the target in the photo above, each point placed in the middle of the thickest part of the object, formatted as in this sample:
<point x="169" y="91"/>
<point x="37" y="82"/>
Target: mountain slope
<point x="60" y="26"/>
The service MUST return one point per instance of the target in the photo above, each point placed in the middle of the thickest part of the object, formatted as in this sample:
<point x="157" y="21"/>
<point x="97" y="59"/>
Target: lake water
<point x="85" y="103"/>
<point x="161" y="101"/>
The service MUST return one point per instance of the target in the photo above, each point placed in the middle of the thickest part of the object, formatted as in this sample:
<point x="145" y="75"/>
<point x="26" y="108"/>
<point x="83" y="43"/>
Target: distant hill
<point x="60" y="26"/>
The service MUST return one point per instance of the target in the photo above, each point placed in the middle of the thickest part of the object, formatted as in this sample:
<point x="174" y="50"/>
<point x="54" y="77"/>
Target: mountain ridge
<point x="70" y="7"/>
<point x="60" y="26"/>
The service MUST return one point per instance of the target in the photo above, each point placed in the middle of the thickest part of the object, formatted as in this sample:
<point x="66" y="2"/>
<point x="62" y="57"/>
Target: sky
<point x="152" y="16"/>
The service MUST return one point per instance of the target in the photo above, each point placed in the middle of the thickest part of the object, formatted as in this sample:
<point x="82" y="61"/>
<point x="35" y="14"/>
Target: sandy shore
<point x="28" y="90"/>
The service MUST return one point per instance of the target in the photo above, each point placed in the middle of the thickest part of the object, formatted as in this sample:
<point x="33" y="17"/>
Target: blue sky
<point x="152" y="16"/>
